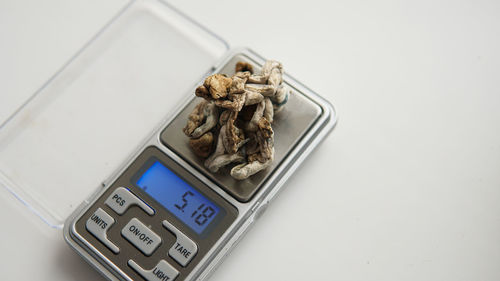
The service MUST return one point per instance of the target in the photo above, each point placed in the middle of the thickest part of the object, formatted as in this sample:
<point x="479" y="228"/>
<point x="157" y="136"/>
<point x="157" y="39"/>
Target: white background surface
<point x="406" y="188"/>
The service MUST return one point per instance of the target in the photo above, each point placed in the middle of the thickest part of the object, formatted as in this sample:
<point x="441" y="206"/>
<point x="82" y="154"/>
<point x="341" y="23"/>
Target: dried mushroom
<point x="238" y="112"/>
<point x="243" y="66"/>
<point x="202" y="146"/>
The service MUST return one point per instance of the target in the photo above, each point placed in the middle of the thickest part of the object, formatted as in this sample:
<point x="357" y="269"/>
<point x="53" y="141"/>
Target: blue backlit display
<point x="182" y="200"/>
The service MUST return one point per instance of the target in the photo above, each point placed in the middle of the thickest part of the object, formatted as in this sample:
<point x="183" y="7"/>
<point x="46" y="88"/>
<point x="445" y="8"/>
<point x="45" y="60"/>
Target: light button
<point x="141" y="236"/>
<point x="161" y="272"/>
<point x="98" y="224"/>
<point x="122" y="199"/>
<point x="184" y="249"/>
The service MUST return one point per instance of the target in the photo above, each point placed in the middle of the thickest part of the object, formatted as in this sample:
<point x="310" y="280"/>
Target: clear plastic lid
<point x="73" y="132"/>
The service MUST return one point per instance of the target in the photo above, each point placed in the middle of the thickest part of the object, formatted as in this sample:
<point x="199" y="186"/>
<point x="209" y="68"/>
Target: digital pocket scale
<point x="164" y="216"/>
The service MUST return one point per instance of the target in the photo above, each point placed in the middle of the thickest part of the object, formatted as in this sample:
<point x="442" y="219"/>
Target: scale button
<point x="141" y="236"/>
<point x="98" y="224"/>
<point x="161" y="272"/>
<point x="122" y="199"/>
<point x="184" y="249"/>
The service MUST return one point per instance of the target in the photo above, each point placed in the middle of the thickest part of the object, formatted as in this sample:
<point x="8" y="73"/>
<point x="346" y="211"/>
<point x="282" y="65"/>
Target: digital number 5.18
<point x="204" y="212"/>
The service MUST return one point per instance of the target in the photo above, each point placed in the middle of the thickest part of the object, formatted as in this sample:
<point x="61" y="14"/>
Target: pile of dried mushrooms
<point x="232" y="124"/>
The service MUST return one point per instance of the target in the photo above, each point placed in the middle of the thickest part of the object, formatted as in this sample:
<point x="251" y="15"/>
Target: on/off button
<point x="141" y="236"/>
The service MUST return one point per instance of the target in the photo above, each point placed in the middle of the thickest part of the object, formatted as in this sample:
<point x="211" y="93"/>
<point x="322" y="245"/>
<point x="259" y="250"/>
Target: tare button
<point x="122" y="199"/>
<point x="184" y="249"/>
<point x="98" y="224"/>
<point x="161" y="272"/>
<point x="141" y="236"/>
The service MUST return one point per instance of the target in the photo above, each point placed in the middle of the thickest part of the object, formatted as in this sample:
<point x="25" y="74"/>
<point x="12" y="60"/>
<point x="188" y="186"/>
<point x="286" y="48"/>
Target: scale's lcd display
<point x="181" y="199"/>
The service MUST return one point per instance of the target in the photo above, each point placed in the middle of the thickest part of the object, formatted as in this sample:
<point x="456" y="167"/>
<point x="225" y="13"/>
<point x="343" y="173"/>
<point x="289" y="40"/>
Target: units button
<point x="161" y="272"/>
<point x="98" y="224"/>
<point x="184" y="249"/>
<point x="141" y="236"/>
<point x="122" y="199"/>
